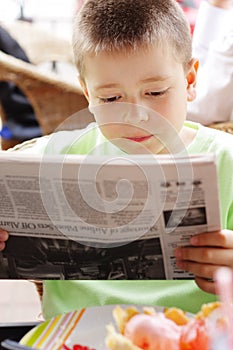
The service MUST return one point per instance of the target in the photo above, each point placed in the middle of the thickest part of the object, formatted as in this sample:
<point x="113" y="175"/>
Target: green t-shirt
<point x="63" y="296"/>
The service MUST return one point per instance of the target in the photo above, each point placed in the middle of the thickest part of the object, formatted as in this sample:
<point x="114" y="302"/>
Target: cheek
<point x="174" y="108"/>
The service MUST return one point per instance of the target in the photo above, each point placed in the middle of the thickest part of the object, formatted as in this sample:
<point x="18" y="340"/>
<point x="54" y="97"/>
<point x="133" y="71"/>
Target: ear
<point x="191" y="78"/>
<point x="83" y="87"/>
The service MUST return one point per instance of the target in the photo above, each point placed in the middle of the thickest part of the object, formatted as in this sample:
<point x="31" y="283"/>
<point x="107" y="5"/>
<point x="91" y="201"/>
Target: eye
<point x="110" y="99"/>
<point x="156" y="93"/>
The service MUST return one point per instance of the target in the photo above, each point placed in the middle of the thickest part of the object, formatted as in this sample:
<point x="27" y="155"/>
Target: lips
<point x="139" y="138"/>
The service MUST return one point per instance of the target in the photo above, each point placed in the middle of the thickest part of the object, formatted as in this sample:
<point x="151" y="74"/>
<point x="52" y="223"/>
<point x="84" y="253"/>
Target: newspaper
<point x="89" y="217"/>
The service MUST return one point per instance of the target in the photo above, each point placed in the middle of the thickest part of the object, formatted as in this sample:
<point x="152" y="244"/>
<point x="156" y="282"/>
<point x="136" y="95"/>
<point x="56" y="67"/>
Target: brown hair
<point x="122" y="25"/>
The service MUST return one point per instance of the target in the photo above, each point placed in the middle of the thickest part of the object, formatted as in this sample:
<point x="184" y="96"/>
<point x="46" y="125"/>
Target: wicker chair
<point x="52" y="98"/>
<point x="40" y="44"/>
<point x="226" y="126"/>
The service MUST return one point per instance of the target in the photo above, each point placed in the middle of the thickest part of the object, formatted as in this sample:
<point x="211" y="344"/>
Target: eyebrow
<point x="147" y="80"/>
<point x="106" y="86"/>
<point x="155" y="79"/>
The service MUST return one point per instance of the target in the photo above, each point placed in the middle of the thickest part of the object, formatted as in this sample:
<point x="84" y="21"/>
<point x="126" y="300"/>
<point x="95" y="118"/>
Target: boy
<point x="137" y="53"/>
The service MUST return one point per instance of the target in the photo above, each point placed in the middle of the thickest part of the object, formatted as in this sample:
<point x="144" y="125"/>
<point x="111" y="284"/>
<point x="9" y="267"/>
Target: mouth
<point x="139" y="139"/>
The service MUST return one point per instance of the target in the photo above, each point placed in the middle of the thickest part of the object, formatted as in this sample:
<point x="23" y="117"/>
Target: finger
<point x="206" y="285"/>
<point x="209" y="255"/>
<point x="2" y="246"/>
<point x="206" y="271"/>
<point x="223" y="238"/>
<point x="2" y="230"/>
<point x="4" y="235"/>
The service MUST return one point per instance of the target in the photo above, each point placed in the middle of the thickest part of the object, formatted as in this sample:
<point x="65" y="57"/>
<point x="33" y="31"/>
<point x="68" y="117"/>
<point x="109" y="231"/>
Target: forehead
<point x="142" y="59"/>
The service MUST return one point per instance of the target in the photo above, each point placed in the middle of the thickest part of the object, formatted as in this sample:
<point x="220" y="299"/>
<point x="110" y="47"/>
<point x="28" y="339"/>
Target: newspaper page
<point x="88" y="217"/>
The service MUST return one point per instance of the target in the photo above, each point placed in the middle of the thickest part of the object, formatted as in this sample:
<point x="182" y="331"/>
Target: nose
<point x="135" y="113"/>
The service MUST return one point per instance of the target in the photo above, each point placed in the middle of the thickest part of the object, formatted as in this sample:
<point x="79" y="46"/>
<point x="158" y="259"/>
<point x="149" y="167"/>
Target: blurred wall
<point x="55" y="15"/>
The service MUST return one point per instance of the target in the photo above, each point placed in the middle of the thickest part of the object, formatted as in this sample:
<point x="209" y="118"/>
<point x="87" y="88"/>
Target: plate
<point x="85" y="327"/>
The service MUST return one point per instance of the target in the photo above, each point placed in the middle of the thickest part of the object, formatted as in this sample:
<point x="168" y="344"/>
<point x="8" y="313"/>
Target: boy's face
<point x="131" y="88"/>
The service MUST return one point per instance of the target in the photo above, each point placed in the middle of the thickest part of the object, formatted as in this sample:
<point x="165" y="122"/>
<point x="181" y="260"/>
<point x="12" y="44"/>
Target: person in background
<point x="213" y="47"/>
<point x="126" y="52"/>
<point x="20" y="120"/>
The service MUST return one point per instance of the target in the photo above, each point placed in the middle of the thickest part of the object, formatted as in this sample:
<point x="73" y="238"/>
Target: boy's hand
<point x="208" y="251"/>
<point x="3" y="238"/>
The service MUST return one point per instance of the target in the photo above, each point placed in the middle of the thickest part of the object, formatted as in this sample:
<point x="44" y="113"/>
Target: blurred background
<point x="19" y="302"/>
<point x="54" y="15"/>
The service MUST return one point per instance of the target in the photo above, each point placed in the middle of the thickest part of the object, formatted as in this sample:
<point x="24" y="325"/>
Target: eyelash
<point x="156" y="93"/>
<point x="115" y="98"/>
<point x="110" y="99"/>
